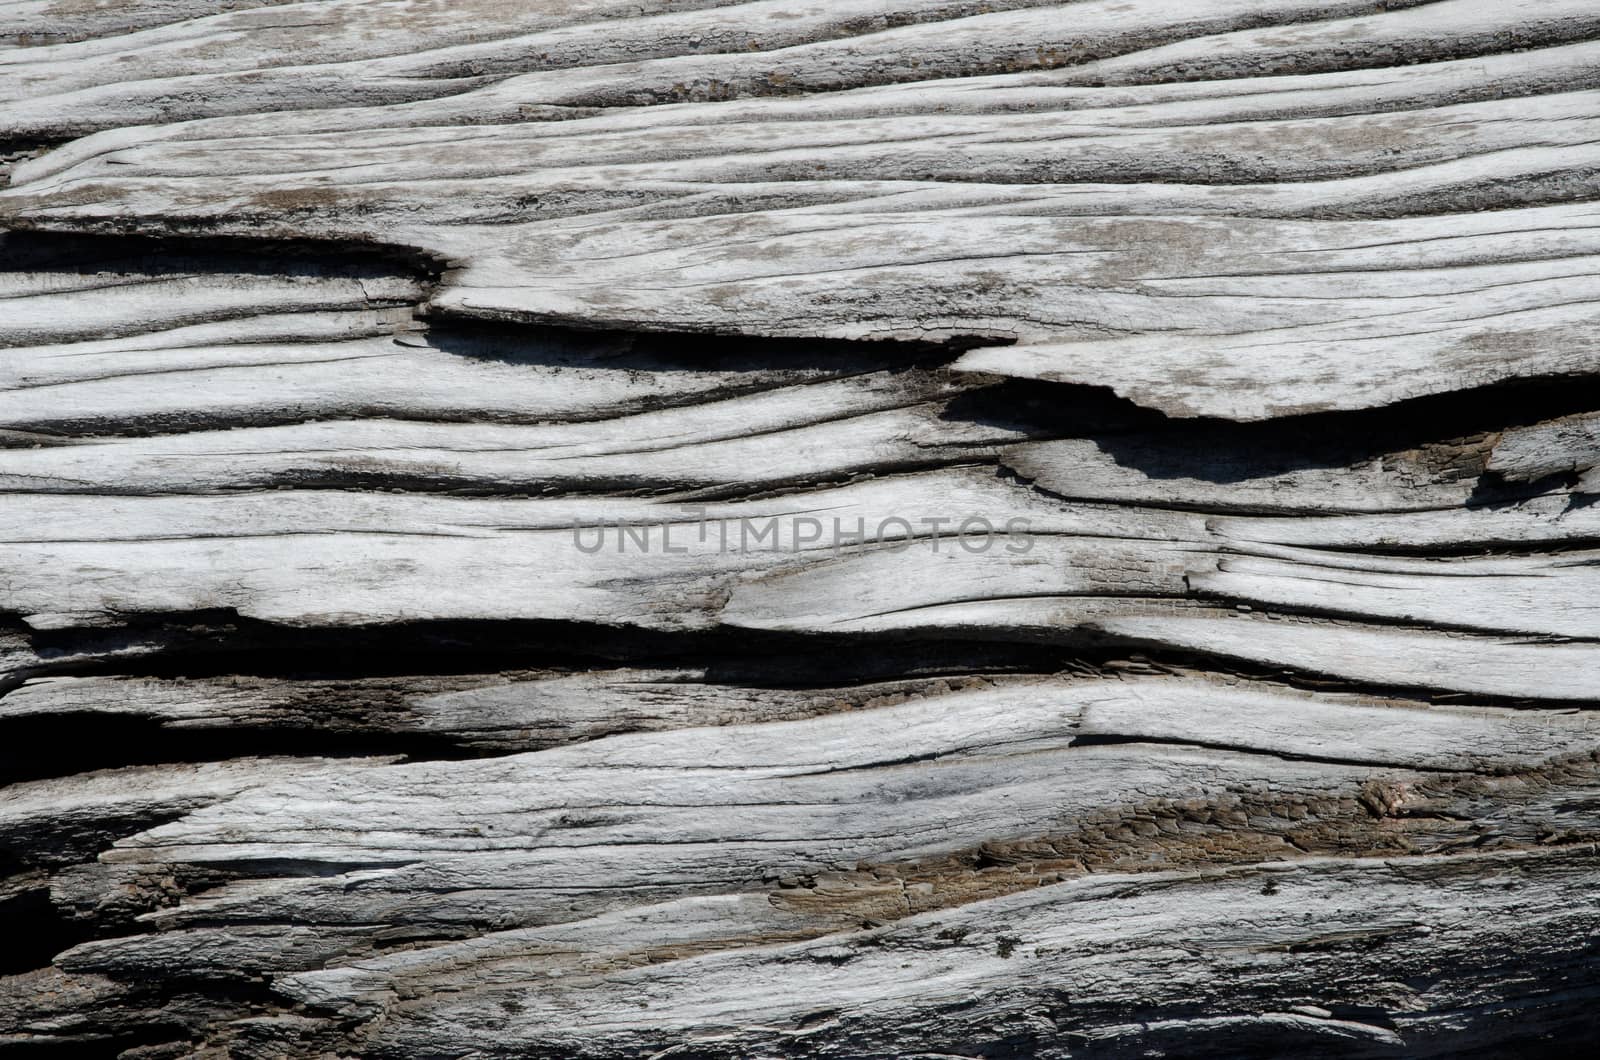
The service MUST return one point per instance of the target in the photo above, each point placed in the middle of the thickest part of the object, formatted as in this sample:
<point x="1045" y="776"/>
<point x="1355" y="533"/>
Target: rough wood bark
<point x="335" y="331"/>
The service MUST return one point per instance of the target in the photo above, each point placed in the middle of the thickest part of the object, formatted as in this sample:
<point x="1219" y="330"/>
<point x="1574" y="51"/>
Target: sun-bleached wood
<point x="859" y="529"/>
<point x="1404" y="247"/>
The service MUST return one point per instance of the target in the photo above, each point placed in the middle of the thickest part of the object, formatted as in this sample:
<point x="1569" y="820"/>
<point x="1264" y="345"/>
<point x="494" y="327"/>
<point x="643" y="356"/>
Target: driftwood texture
<point x="382" y="385"/>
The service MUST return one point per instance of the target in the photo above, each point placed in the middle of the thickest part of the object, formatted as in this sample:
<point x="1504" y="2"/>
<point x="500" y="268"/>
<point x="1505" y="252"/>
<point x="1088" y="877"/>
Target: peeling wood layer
<point x="880" y="528"/>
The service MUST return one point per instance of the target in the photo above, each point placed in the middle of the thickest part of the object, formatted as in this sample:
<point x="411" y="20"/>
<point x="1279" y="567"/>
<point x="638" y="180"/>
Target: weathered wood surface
<point x="425" y="432"/>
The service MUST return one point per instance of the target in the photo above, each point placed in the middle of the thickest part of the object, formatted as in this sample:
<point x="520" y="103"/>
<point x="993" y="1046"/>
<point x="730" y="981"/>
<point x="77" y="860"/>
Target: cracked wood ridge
<point x="335" y="334"/>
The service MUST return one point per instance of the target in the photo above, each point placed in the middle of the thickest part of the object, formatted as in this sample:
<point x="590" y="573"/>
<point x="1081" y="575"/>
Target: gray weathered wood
<point x="337" y="334"/>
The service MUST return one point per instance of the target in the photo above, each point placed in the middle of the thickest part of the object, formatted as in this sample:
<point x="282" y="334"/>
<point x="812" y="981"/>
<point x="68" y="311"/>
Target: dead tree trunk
<point x="880" y="528"/>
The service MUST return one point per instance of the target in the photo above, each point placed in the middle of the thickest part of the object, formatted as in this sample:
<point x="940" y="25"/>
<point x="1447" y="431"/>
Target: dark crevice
<point x="1443" y="435"/>
<point x="220" y="642"/>
<point x="374" y="719"/>
<point x="35" y="931"/>
<point x="72" y="838"/>
<point x="34" y="748"/>
<point x="550" y="345"/>
<point x="120" y="1043"/>
<point x="592" y="485"/>
<point x="34" y="250"/>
